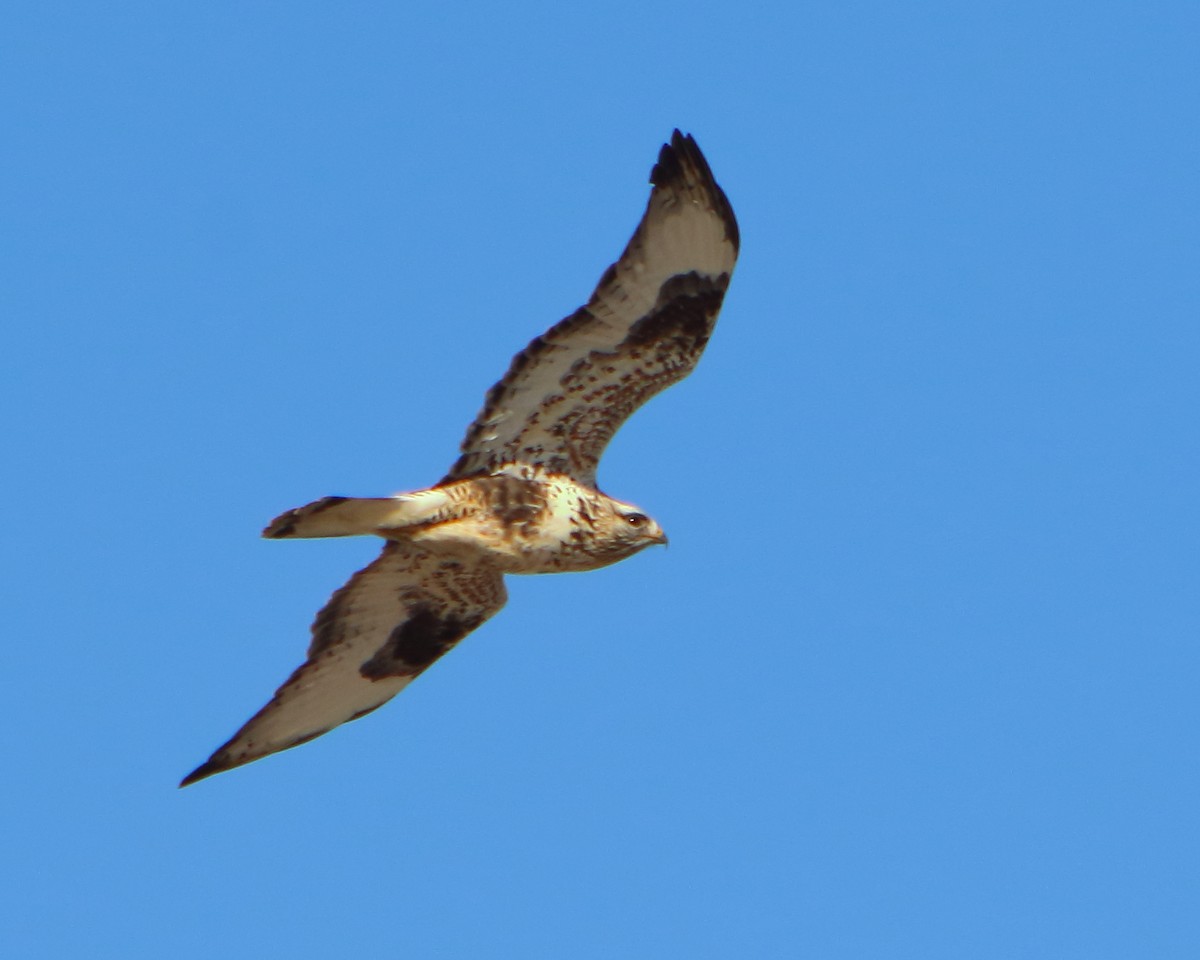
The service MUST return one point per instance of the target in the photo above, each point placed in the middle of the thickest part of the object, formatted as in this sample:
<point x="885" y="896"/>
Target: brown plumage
<point x="522" y="496"/>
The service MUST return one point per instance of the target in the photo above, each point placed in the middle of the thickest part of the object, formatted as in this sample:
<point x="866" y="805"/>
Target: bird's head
<point x="628" y="530"/>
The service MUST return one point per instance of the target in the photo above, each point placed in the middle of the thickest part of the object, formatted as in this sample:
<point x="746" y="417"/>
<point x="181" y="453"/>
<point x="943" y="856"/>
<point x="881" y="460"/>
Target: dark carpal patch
<point x="685" y="313"/>
<point x="417" y="642"/>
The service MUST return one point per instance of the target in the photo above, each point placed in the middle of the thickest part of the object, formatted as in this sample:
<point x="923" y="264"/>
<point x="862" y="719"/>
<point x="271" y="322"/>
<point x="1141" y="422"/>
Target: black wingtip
<point x="681" y="160"/>
<point x="670" y="165"/>
<point x="223" y="759"/>
<point x="206" y="769"/>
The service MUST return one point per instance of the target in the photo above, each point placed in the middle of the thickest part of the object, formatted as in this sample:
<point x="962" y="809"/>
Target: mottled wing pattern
<point x="376" y="634"/>
<point x="644" y="328"/>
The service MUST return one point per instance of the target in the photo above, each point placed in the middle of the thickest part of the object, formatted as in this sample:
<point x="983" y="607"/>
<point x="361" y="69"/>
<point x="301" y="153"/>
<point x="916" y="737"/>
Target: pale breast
<point x="526" y="526"/>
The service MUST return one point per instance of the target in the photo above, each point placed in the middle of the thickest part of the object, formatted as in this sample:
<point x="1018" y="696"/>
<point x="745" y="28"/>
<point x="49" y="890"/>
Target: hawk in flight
<point x="522" y="497"/>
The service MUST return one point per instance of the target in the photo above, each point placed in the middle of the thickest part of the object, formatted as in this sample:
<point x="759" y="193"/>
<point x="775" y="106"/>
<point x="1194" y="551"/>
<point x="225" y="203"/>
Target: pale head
<point x="623" y="529"/>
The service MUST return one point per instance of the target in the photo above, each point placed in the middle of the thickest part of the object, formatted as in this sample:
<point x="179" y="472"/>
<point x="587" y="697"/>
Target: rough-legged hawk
<point x="522" y="497"/>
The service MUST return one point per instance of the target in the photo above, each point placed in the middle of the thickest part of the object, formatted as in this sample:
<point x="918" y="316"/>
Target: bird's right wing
<point x="377" y="633"/>
<point x="643" y="329"/>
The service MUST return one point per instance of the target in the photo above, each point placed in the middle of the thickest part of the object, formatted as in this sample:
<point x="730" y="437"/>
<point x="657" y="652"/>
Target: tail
<point x="358" y="516"/>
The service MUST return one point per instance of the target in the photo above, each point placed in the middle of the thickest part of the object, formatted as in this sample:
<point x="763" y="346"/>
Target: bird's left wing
<point x="377" y="633"/>
<point x="644" y="328"/>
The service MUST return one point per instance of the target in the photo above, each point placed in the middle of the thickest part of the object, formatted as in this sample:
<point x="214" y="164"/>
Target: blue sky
<point x="917" y="676"/>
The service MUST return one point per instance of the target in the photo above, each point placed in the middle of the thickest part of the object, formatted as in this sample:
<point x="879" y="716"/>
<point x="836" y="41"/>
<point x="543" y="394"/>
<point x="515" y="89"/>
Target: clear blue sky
<point x="918" y="674"/>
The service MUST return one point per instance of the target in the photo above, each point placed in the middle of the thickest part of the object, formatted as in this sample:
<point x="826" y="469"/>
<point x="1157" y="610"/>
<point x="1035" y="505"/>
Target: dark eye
<point x="636" y="519"/>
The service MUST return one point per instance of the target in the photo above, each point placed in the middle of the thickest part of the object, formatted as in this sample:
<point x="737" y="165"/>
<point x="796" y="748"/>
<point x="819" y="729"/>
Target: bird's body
<point x="547" y="523"/>
<point x="522" y="497"/>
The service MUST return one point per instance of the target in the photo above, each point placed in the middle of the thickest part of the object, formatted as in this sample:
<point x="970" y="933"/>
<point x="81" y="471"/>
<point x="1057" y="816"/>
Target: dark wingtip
<point x="669" y="167"/>
<point x="206" y="769"/>
<point x="679" y="158"/>
<point x="282" y="526"/>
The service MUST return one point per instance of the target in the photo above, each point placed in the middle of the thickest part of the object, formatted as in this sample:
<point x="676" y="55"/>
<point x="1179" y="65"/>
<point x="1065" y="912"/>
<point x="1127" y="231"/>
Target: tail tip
<point x="284" y="525"/>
